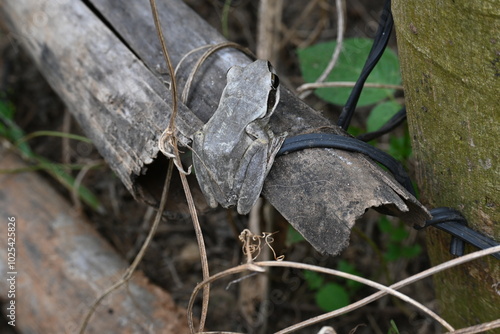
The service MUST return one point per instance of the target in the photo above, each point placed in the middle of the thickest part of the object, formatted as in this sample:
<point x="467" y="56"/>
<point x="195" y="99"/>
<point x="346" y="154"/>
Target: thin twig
<point x="77" y="204"/>
<point x="169" y="137"/>
<point x="173" y="84"/>
<point x="478" y="328"/>
<point x="339" y="5"/>
<point x="213" y="278"/>
<point x="213" y="49"/>
<point x="201" y="246"/>
<point x="130" y="270"/>
<point x="399" y="285"/>
<point x="384" y="289"/>
<point x="268" y="29"/>
<point x="288" y="33"/>
<point x="257" y="266"/>
<point x="315" y="85"/>
<point x="381" y="287"/>
<point x="65" y="149"/>
<point x="187" y="56"/>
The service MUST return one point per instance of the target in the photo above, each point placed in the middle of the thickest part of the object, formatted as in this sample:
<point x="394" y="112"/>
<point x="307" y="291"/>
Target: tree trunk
<point x="450" y="61"/>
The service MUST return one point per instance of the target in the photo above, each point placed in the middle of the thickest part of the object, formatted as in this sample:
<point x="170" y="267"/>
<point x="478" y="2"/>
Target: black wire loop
<point x="446" y="219"/>
<point x="391" y="124"/>
<point x="452" y="222"/>
<point x="379" y="45"/>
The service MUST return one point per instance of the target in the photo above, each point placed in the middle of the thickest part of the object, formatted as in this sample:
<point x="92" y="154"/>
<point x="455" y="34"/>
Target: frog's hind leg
<point x="203" y="173"/>
<point x="252" y="173"/>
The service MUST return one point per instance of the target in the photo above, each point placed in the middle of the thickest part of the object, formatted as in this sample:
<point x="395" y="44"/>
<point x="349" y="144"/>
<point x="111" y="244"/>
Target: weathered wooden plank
<point x="63" y="264"/>
<point x="115" y="98"/>
<point x="120" y="105"/>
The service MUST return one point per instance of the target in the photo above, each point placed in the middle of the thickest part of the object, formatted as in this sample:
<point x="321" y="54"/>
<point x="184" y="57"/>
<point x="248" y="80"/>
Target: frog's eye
<point x="275" y="81"/>
<point x="271" y="99"/>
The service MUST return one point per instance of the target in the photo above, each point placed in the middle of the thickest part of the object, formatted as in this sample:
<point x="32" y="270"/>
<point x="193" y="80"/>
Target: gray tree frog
<point x="235" y="149"/>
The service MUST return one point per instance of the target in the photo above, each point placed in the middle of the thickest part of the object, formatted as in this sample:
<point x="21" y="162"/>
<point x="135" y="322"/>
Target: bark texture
<point x="450" y="61"/>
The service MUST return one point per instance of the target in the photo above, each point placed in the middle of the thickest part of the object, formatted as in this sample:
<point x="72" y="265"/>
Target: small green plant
<point x="329" y="295"/>
<point x="393" y="329"/>
<point x="314" y="59"/>
<point x="381" y="113"/>
<point x="11" y="132"/>
<point x="397" y="234"/>
<point x="332" y="295"/>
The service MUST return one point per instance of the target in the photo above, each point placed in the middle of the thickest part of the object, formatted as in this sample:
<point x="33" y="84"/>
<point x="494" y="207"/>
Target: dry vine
<point x="259" y="267"/>
<point x="169" y="139"/>
<point x="340" y="5"/>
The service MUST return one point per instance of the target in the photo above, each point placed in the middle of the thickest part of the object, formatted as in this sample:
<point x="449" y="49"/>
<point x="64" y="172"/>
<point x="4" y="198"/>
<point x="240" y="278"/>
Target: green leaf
<point x="331" y="297"/>
<point x="12" y="132"/>
<point x="314" y="59"/>
<point x="69" y="182"/>
<point x="410" y="252"/>
<point x="394" y="329"/>
<point x="381" y="114"/>
<point x="7" y="110"/>
<point x="293" y="236"/>
<point x="313" y="279"/>
<point x="53" y="134"/>
<point x="396" y="233"/>
<point x="400" y="147"/>
<point x="385" y="225"/>
<point x="355" y="131"/>
<point x="399" y="234"/>
<point x="346" y="267"/>
<point x="9" y="129"/>
<point x="393" y="252"/>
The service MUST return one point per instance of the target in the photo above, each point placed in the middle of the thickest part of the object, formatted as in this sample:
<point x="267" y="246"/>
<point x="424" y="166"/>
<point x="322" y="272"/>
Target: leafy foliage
<point x="14" y="134"/>
<point x="314" y="59"/>
<point x="397" y="234"/>
<point x="331" y="295"/>
<point x="381" y="114"/>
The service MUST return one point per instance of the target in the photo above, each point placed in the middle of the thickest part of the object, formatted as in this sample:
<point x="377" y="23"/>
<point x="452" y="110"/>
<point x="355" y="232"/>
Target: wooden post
<point x="450" y="57"/>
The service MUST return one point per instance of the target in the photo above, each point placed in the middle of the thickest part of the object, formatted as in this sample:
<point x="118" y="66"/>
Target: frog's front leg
<point x="253" y="170"/>
<point x="251" y="175"/>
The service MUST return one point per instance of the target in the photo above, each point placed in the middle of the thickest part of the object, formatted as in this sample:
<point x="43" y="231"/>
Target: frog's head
<point x="258" y="84"/>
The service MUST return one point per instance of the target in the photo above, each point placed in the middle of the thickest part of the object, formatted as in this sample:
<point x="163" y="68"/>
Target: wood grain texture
<point x="63" y="264"/>
<point x="113" y="86"/>
<point x="450" y="56"/>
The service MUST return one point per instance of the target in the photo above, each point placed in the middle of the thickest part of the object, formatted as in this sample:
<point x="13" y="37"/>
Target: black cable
<point x="452" y="222"/>
<point x="379" y="44"/>
<point x="446" y="219"/>
<point x="391" y="124"/>
<point x="329" y="140"/>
